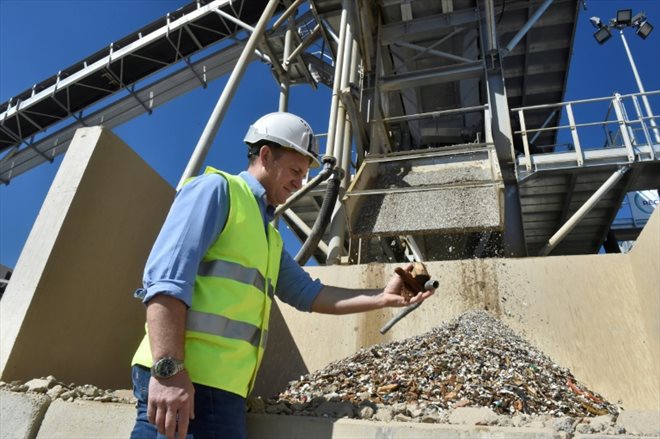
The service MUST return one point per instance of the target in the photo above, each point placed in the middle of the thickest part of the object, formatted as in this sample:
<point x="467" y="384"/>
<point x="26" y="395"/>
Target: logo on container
<point x="645" y="205"/>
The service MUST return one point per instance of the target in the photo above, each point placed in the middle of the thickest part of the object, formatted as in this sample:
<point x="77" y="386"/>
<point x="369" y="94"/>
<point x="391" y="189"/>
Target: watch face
<point x="165" y="368"/>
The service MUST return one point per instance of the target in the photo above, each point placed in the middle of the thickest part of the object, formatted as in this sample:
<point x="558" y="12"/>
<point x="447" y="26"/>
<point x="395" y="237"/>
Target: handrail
<point x="583" y="101"/>
<point x="633" y="134"/>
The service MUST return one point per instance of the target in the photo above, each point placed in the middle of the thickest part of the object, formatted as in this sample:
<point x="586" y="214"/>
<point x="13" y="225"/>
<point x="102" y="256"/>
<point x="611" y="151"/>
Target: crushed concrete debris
<point x="473" y="370"/>
<point x="67" y="392"/>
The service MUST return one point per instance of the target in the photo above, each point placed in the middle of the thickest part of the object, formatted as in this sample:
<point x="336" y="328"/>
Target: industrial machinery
<point x="445" y="118"/>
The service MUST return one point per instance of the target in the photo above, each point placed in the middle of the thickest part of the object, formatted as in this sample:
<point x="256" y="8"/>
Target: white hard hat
<point x="286" y="130"/>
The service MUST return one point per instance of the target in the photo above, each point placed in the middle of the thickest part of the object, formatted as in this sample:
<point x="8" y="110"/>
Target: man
<point x="209" y="282"/>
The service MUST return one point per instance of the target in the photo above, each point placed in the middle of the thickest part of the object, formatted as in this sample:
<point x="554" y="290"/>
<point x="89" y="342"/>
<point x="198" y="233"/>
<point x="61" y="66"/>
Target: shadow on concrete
<point x="282" y="360"/>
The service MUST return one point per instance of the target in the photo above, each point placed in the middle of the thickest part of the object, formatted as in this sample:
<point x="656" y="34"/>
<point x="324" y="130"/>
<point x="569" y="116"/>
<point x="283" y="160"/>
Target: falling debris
<point x="474" y="361"/>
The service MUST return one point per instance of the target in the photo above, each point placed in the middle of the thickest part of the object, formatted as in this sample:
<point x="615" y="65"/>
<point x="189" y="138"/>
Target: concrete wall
<point x="595" y="314"/>
<point x="68" y="309"/>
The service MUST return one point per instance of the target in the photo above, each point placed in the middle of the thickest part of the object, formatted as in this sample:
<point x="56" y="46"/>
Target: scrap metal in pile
<point x="473" y="361"/>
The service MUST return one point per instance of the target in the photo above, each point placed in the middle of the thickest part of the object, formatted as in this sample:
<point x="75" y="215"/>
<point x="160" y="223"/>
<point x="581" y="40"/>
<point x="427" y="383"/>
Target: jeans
<point x="218" y="414"/>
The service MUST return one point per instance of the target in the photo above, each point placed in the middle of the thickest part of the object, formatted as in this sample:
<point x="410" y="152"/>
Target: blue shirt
<point x="196" y="219"/>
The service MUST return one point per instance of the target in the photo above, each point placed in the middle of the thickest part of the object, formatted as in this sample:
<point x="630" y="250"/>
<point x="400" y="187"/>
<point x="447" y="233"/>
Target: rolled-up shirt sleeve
<point x="295" y="286"/>
<point x="195" y="220"/>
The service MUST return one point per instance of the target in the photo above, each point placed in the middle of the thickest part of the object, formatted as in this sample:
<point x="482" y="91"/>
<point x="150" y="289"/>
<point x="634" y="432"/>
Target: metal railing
<point x="626" y="139"/>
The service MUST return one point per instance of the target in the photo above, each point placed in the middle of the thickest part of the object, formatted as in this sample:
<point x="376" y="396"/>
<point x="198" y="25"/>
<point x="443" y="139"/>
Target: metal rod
<point x="523" y="31"/>
<point x="333" y="35"/>
<point x="583" y="101"/>
<point x="337" y="226"/>
<point x="545" y="124"/>
<point x="623" y="127"/>
<point x="213" y="124"/>
<point x="414" y="248"/>
<point x="577" y="125"/>
<point x="645" y="130"/>
<point x="234" y="20"/>
<point x="583" y="211"/>
<point x="437" y="43"/>
<point x="298" y="222"/>
<point x="523" y="132"/>
<point x="405" y="118"/>
<point x="286" y="14"/>
<point x="316" y="32"/>
<point x="404" y="312"/>
<point x="437" y="53"/>
<point x="647" y="106"/>
<point x="329" y="144"/>
<point x="490" y="26"/>
<point x="284" y="85"/>
<point x="574" y="135"/>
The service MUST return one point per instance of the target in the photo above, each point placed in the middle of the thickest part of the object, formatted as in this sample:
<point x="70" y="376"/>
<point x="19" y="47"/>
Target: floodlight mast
<point x="624" y="18"/>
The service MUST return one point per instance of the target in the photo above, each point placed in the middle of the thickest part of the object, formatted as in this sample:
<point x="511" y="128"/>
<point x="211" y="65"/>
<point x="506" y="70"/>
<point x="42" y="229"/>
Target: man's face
<point x="285" y="172"/>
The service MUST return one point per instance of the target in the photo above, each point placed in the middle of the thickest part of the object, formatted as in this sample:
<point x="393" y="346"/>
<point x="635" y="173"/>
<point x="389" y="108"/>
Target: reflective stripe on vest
<point x="237" y="272"/>
<point x="224" y="327"/>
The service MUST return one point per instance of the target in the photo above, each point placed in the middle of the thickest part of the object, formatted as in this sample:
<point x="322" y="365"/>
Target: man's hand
<point x="171" y="404"/>
<point x="393" y="296"/>
<point x="335" y="300"/>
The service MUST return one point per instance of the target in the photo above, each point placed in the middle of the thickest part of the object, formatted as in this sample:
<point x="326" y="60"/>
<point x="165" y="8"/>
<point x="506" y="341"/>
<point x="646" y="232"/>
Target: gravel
<point x="472" y="370"/>
<point x="67" y="392"/>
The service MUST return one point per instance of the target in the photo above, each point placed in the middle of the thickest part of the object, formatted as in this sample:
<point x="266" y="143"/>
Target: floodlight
<point x="603" y="34"/>
<point x="624" y="17"/>
<point x="638" y="19"/>
<point x="644" y="29"/>
<point x="595" y="21"/>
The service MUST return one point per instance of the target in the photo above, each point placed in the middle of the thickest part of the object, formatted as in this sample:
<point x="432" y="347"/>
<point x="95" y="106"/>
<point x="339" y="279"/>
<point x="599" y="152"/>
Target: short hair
<point x="253" y="150"/>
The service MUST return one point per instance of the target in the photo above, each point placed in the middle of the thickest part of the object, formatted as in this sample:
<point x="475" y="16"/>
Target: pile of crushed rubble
<point x="474" y="361"/>
<point x="68" y="392"/>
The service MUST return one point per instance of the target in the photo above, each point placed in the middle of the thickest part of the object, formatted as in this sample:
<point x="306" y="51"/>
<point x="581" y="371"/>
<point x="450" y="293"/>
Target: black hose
<point x="322" y="221"/>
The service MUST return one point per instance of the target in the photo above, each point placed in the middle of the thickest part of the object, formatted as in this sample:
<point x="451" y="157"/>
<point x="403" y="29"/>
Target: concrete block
<point x="299" y="427"/>
<point x="611" y="436"/>
<point x="68" y="310"/>
<point x="87" y="419"/>
<point x="640" y="423"/>
<point x="472" y="416"/>
<point x="21" y="414"/>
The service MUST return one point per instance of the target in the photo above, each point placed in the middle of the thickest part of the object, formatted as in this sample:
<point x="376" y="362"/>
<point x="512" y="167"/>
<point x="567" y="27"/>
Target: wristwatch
<point x="166" y="367"/>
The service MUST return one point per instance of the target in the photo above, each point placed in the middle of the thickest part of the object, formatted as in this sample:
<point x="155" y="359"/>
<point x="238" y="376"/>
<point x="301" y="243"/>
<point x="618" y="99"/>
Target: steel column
<point x="329" y="145"/>
<point x="338" y="224"/>
<point x="513" y="236"/>
<point x="342" y="148"/>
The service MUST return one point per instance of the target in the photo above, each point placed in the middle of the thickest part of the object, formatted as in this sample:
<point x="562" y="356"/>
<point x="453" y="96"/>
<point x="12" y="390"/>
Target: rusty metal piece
<point x="416" y="281"/>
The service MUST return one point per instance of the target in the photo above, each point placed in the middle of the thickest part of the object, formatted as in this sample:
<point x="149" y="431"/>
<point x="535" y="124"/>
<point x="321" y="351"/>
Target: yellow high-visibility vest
<point x="227" y="323"/>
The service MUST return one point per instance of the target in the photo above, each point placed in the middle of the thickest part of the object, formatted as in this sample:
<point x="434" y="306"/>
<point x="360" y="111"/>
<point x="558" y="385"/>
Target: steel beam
<point x="124" y="109"/>
<point x="434" y="52"/>
<point x="523" y="31"/>
<point x="583" y="211"/>
<point x="432" y="76"/>
<point x="427" y="27"/>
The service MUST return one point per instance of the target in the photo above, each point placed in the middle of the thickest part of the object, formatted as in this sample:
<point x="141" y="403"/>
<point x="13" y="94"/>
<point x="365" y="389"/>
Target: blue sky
<point x="38" y="38"/>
